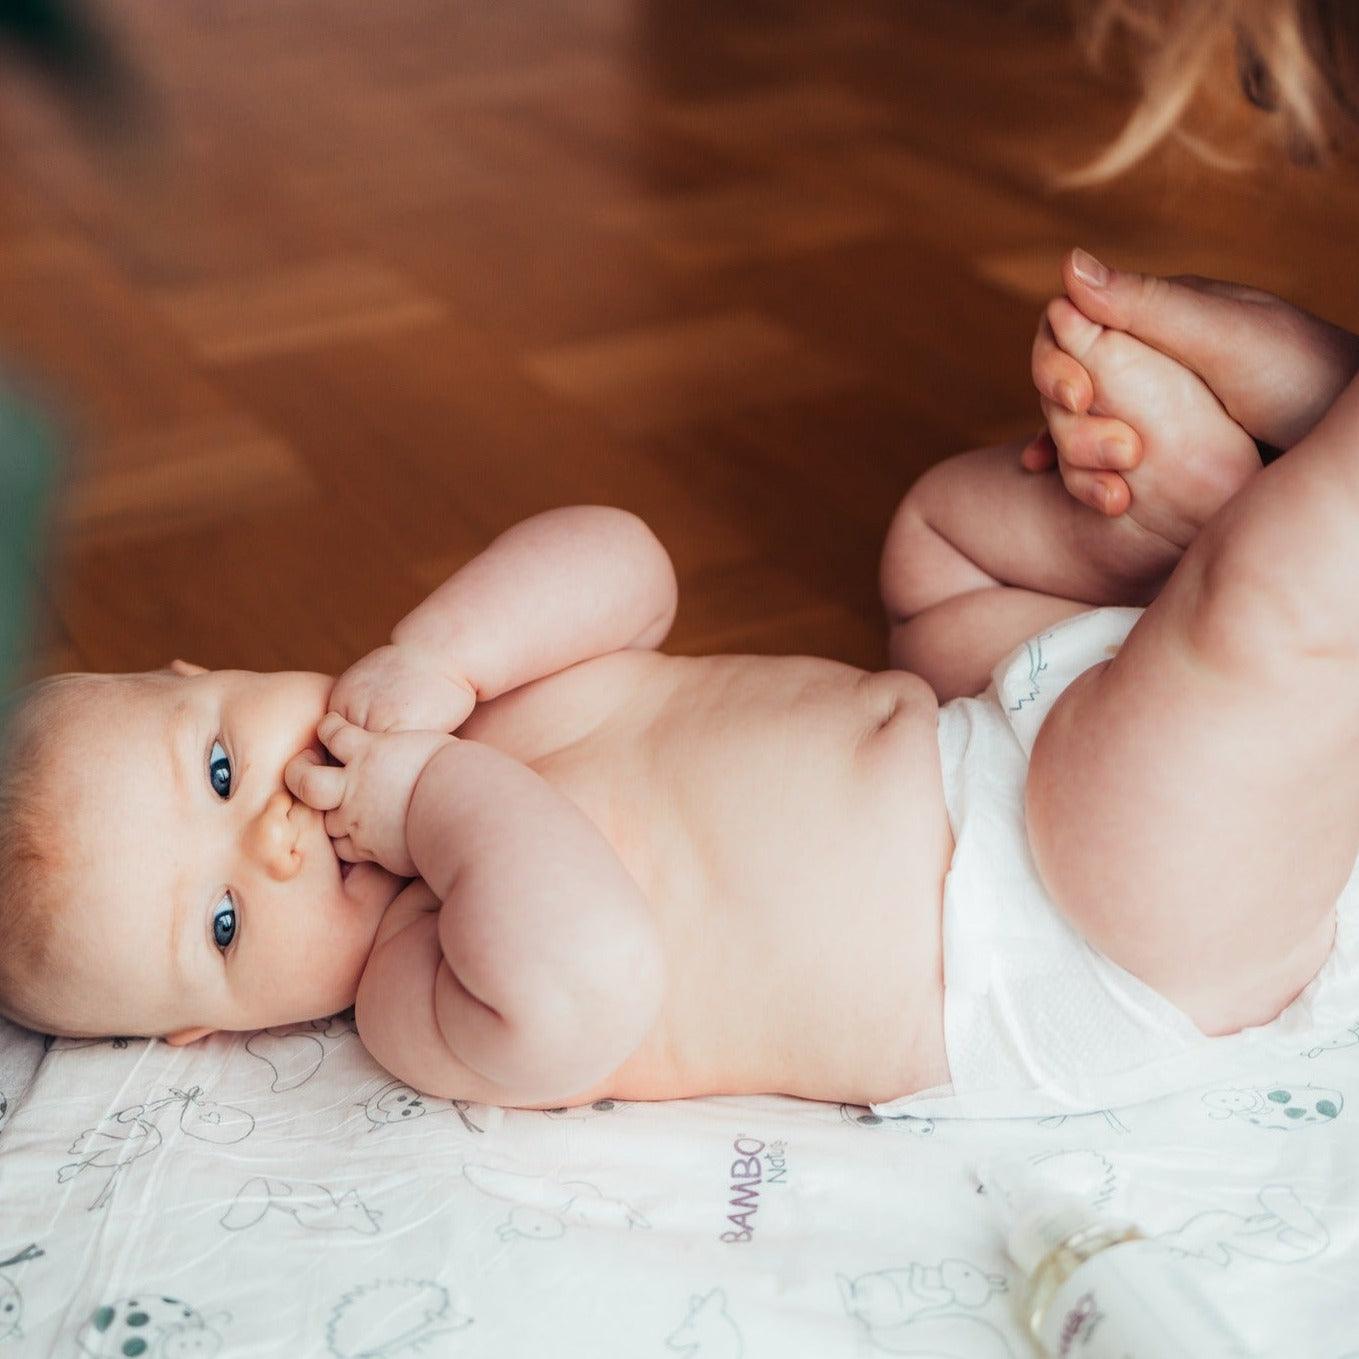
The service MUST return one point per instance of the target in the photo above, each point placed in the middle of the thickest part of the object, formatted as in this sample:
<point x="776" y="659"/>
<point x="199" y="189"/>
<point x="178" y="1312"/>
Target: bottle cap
<point x="1039" y="1215"/>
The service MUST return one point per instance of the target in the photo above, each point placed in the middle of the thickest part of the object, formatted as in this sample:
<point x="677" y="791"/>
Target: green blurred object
<point x="62" y="39"/>
<point x="28" y="476"/>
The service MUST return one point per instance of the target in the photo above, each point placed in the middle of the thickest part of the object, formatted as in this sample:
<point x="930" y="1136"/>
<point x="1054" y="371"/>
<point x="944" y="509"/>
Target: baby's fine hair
<point x="34" y="859"/>
<point x="1297" y="60"/>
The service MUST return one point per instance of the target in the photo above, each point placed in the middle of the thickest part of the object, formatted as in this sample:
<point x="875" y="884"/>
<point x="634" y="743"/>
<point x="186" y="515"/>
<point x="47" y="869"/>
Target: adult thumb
<point x="1183" y="321"/>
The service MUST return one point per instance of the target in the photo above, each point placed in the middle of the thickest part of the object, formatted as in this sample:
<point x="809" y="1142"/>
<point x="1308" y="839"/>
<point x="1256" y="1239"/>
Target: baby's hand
<point x="1166" y="450"/>
<point x="367" y="798"/>
<point x="399" y="688"/>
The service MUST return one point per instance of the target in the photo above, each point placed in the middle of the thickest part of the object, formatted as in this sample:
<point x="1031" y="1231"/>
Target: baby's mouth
<point x="345" y="869"/>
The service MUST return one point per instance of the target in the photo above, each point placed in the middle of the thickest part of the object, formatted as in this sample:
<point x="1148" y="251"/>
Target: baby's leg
<point x="982" y="555"/>
<point x="1193" y="804"/>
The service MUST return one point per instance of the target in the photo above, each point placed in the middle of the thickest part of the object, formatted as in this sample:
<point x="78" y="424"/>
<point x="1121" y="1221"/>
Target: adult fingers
<point x="1098" y="488"/>
<point x="1040" y="453"/>
<point x="1098" y="442"/>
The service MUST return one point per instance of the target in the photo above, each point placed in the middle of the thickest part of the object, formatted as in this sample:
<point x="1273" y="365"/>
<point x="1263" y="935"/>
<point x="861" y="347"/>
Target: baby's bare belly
<point x="785" y="818"/>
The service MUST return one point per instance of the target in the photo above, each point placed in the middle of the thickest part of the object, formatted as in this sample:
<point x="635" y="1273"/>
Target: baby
<point x="642" y="876"/>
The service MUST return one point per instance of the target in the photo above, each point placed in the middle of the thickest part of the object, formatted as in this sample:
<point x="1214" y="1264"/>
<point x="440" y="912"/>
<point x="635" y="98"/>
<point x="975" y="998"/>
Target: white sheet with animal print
<point x="277" y="1193"/>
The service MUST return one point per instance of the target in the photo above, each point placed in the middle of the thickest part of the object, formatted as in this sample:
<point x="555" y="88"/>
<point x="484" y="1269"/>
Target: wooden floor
<point x="401" y="274"/>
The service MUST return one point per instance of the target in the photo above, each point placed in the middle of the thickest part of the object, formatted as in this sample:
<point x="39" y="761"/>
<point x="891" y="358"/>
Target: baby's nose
<point x="272" y="838"/>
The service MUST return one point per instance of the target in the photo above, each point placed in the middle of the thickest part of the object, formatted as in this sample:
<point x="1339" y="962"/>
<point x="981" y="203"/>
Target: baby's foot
<point x="1275" y="368"/>
<point x="1194" y="456"/>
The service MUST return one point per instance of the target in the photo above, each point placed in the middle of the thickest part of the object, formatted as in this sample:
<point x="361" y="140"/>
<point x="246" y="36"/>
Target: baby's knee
<point x="907" y="544"/>
<point x="921" y="566"/>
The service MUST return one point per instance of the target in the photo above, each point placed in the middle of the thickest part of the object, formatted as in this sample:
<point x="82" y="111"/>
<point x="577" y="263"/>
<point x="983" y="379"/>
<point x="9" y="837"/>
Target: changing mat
<point x="278" y="1193"/>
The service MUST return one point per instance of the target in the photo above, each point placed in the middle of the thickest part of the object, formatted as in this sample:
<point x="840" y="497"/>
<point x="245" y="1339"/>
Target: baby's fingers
<point x="344" y="849"/>
<point x="344" y="740"/>
<point x="320" y="786"/>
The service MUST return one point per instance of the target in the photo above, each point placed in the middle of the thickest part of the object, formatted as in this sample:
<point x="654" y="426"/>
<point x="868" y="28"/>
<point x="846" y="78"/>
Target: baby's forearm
<point x="561" y="587"/>
<point x="553" y="946"/>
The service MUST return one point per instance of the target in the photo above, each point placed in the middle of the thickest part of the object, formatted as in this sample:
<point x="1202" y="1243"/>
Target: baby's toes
<point x="1075" y="332"/>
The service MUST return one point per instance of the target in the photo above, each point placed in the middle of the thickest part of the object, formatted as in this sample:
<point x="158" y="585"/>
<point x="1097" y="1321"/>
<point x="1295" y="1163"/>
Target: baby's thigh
<point x="1196" y="820"/>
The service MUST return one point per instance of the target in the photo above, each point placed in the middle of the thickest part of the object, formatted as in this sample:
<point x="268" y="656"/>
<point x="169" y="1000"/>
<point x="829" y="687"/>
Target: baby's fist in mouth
<point x="366" y="796"/>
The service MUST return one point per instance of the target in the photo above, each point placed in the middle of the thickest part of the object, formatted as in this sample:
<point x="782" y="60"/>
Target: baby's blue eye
<point x="224" y="923"/>
<point x="219" y="770"/>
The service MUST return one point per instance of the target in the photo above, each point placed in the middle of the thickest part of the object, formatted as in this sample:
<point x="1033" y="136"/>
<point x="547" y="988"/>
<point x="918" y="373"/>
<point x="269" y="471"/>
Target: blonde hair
<point x="1297" y="60"/>
<point x="34" y="862"/>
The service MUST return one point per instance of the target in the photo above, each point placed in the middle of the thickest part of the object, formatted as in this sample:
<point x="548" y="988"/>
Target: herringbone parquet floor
<point x="397" y="275"/>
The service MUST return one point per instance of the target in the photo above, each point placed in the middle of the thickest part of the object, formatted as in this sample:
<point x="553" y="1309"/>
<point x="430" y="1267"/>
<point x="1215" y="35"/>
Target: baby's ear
<point x="185" y="1036"/>
<point x="187" y="668"/>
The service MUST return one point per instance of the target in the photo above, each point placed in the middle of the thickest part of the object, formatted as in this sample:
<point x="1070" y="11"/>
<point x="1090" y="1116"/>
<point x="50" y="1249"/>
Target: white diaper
<point x="1036" y="1020"/>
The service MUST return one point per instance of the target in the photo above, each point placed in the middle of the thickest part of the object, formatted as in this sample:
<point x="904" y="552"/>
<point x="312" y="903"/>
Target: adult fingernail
<point x="1088" y="269"/>
<point x="1066" y="394"/>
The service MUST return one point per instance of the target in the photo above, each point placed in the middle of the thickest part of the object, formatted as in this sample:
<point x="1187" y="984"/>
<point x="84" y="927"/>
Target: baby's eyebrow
<point x="176" y="772"/>
<point x="178" y="908"/>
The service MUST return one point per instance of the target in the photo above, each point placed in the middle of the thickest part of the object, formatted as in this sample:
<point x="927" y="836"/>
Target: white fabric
<point x="293" y="1199"/>
<point x="1036" y="1020"/>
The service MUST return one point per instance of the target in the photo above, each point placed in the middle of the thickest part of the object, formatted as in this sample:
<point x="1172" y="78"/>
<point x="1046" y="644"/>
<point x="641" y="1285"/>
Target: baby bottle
<point x="1097" y="1288"/>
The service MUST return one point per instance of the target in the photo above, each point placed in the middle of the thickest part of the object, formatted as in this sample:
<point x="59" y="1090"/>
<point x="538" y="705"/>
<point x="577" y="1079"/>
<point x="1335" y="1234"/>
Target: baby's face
<point x="204" y="895"/>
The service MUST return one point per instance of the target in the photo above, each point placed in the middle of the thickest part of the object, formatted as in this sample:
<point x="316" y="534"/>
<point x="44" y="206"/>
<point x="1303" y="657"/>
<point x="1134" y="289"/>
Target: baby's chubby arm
<point x="542" y="970"/>
<point x="553" y="968"/>
<point x="560" y="587"/>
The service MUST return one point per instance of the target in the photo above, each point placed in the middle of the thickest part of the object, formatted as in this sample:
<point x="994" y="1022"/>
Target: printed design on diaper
<point x="390" y="1317"/>
<point x="1110" y="1118"/>
<point x="862" y="1116"/>
<point x="1033" y="652"/>
<point x="294" y="1052"/>
<point x="708" y="1329"/>
<point x="546" y="1207"/>
<point x="927" y="1310"/>
<point x="1284" y="1232"/>
<point x="1280" y="1107"/>
<point x="396" y="1102"/>
<point x="1348" y="1038"/>
<point x="11" y="1299"/>
<point x="312" y="1206"/>
<point x="150" y="1324"/>
<point x="126" y="1136"/>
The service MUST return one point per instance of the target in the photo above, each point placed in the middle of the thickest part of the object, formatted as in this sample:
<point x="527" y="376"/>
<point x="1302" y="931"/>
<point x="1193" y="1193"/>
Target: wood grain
<point x="395" y="276"/>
